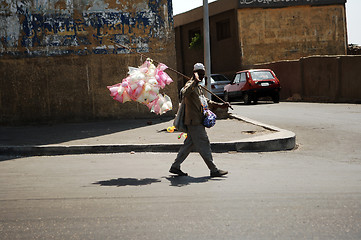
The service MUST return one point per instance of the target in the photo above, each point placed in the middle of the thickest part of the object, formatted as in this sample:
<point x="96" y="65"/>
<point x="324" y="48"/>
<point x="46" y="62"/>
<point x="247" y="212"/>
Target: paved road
<point x="325" y="130"/>
<point x="313" y="192"/>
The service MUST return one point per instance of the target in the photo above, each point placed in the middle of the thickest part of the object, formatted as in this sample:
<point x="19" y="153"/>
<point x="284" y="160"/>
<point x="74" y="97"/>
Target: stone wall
<point x="319" y="78"/>
<point x="274" y="34"/>
<point x="57" y="57"/>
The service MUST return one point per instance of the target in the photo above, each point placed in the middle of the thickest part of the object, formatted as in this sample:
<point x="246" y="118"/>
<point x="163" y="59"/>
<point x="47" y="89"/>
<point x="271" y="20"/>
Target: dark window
<point x="237" y="78"/>
<point x="193" y="33"/>
<point x="223" y="29"/>
<point x="219" y="78"/>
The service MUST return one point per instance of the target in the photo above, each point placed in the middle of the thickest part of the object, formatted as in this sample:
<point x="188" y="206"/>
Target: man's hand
<point x="196" y="77"/>
<point x="226" y="105"/>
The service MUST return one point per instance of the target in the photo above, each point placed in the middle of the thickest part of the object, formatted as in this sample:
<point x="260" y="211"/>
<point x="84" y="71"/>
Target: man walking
<point x="196" y="135"/>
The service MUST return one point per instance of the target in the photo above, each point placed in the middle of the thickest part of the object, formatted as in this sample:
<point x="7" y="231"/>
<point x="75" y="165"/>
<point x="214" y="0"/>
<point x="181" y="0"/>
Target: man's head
<point x="200" y="69"/>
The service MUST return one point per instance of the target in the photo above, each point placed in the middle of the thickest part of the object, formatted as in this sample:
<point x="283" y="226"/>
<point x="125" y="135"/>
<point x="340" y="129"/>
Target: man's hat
<point x="198" y="66"/>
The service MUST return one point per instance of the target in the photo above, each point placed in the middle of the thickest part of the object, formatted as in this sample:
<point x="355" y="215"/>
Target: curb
<point x="280" y="140"/>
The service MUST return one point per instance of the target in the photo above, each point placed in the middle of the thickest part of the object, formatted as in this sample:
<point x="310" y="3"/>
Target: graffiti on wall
<point x="284" y="3"/>
<point x="37" y="31"/>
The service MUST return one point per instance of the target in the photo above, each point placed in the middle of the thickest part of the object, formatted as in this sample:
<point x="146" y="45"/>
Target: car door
<point x="238" y="83"/>
<point x="242" y="81"/>
<point x="233" y="88"/>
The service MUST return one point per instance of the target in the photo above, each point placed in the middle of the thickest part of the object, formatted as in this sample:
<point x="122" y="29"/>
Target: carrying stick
<point x="177" y="72"/>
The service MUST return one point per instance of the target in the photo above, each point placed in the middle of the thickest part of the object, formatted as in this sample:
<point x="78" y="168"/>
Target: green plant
<point x="197" y="42"/>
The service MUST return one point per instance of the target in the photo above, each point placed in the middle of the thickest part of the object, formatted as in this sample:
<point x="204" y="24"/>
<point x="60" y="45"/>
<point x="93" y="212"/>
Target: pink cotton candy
<point x="125" y="82"/>
<point x="162" y="66"/>
<point x="114" y="89"/>
<point x="142" y="85"/>
<point x="162" y="77"/>
<point x="165" y="78"/>
<point x="125" y="97"/>
<point x="156" y="107"/>
<point x="137" y="92"/>
<point x="118" y="98"/>
<point x="160" y="81"/>
<point x="144" y="67"/>
<point x="151" y="104"/>
<point x="152" y="96"/>
<point x="168" y="79"/>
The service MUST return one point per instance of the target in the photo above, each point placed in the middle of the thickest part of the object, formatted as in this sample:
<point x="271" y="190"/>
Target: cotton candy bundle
<point x="142" y="85"/>
<point x="161" y="104"/>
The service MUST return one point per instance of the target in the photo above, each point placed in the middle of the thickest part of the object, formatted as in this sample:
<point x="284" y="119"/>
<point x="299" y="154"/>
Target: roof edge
<point x="226" y="5"/>
<point x="285" y="3"/>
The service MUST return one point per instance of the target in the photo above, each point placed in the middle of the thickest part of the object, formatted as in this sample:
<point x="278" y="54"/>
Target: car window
<point x="261" y="75"/>
<point x="237" y="78"/>
<point x="219" y="78"/>
<point x="243" y="77"/>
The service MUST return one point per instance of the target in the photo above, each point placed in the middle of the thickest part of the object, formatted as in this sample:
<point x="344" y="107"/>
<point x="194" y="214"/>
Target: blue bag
<point x="209" y="118"/>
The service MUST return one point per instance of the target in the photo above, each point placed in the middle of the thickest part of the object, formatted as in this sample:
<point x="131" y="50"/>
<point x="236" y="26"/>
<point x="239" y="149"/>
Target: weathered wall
<point x="57" y="57"/>
<point x="273" y="34"/>
<point x="319" y="78"/>
<point x="59" y="27"/>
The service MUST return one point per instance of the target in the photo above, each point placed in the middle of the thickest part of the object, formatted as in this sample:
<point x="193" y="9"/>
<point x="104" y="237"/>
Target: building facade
<point x="57" y="57"/>
<point x="248" y="32"/>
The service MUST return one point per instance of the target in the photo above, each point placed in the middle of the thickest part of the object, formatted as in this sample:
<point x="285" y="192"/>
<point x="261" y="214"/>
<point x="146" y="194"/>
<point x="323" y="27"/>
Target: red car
<point x="250" y="85"/>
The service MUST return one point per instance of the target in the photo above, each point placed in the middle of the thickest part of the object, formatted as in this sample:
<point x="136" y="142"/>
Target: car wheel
<point x="226" y="96"/>
<point x="246" y="99"/>
<point x="255" y="101"/>
<point x="276" y="98"/>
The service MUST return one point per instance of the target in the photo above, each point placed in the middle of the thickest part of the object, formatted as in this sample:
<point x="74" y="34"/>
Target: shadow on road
<point x="121" y="182"/>
<point x="175" y="181"/>
<point x="64" y="132"/>
<point x="181" y="181"/>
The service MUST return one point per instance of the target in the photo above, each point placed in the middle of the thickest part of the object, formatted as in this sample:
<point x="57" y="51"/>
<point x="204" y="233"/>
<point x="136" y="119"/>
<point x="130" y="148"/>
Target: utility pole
<point x="207" y="48"/>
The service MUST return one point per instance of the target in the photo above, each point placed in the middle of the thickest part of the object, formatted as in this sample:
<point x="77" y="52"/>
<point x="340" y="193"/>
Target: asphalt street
<point x="330" y="131"/>
<point x="312" y="192"/>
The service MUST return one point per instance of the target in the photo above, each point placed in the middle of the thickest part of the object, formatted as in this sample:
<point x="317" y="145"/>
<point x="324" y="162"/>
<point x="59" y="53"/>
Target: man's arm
<point x="190" y="85"/>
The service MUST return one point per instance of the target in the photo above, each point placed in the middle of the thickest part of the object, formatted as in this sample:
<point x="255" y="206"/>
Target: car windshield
<point x="219" y="78"/>
<point x="261" y="75"/>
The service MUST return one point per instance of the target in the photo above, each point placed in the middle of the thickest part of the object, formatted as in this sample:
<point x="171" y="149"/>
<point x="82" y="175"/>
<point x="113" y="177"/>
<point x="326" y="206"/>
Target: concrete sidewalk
<point x="140" y="135"/>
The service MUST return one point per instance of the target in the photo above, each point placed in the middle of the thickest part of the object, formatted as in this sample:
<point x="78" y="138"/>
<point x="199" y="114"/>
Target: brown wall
<point x="70" y="88"/>
<point x="225" y="53"/>
<point x="268" y="35"/>
<point x="319" y="78"/>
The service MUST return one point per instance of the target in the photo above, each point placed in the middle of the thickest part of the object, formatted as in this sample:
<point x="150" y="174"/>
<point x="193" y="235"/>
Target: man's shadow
<point x="181" y="181"/>
<point x="175" y="181"/>
<point x="121" y="182"/>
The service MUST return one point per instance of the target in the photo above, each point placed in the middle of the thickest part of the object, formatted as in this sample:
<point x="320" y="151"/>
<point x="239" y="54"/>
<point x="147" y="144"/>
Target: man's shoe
<point x="219" y="173"/>
<point x="177" y="171"/>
